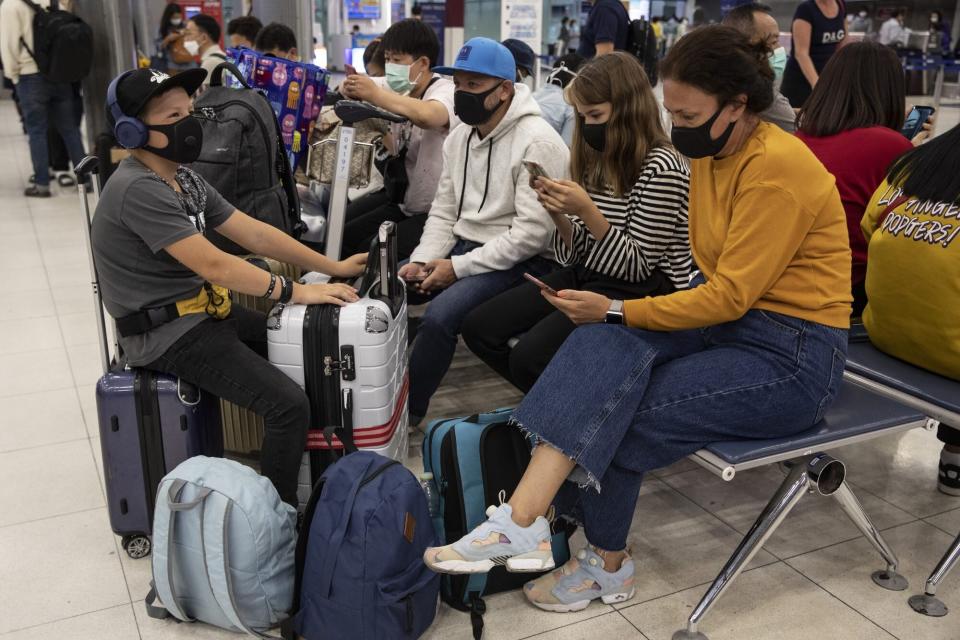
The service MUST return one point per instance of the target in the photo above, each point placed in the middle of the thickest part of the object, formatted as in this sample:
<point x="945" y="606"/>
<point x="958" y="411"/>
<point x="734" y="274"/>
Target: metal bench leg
<point x="928" y="604"/>
<point x="887" y="578"/>
<point x="783" y="501"/>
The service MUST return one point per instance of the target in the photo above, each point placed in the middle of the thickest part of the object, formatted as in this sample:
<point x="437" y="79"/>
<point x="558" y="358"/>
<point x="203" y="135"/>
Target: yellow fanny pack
<point x="212" y="300"/>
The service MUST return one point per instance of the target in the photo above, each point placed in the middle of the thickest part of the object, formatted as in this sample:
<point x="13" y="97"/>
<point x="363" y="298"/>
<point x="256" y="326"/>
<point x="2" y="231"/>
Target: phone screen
<point x="536" y="171"/>
<point x="915" y="120"/>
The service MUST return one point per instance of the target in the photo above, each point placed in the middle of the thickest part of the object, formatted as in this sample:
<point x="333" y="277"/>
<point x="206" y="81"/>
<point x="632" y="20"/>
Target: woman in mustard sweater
<point x="755" y="351"/>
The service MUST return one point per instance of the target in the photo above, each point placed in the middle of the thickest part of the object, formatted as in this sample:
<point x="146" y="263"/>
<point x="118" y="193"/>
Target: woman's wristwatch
<point x="615" y="313"/>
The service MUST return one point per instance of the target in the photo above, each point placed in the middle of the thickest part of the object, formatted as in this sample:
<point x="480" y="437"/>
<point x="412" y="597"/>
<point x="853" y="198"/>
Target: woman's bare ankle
<point x="521" y="517"/>
<point x="612" y="560"/>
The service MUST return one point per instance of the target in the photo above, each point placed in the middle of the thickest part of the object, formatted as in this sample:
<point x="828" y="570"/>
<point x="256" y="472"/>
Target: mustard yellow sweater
<point x="768" y="231"/>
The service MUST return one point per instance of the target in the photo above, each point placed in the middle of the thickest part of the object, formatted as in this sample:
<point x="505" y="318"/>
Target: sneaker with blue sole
<point x="579" y="582"/>
<point x="496" y="541"/>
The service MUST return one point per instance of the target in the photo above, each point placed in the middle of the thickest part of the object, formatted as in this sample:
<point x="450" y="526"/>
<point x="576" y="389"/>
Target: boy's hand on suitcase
<point x="351" y="267"/>
<point x="440" y="275"/>
<point x="359" y="88"/>
<point x="582" y="307"/>
<point x="338" y="294"/>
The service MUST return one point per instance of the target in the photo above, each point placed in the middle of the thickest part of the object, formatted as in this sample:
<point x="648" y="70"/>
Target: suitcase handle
<point x="88" y="169"/>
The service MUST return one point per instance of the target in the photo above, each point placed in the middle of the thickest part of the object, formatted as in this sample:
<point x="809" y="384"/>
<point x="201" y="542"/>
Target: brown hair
<point x="861" y="86"/>
<point x="722" y="62"/>
<point x="634" y="128"/>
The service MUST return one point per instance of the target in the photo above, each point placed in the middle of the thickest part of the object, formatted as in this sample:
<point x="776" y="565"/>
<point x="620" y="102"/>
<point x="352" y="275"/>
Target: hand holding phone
<point x="535" y="171"/>
<point x="916" y="120"/>
<point x="540" y="283"/>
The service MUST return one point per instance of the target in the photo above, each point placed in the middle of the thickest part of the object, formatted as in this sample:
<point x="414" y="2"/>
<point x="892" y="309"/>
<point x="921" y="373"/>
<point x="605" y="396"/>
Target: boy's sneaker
<point x="497" y="541"/>
<point x="583" y="579"/>
<point x="948" y="480"/>
<point x="36" y="191"/>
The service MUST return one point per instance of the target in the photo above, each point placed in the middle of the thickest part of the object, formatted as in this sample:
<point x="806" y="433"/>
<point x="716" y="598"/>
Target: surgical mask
<point x="470" y="107"/>
<point x="192" y="47"/>
<point x="934" y="19"/>
<point x="176" y="22"/>
<point x="398" y="77"/>
<point x="863" y="14"/>
<point x="778" y="62"/>
<point x="184" y="140"/>
<point x="695" y="142"/>
<point x="595" y="135"/>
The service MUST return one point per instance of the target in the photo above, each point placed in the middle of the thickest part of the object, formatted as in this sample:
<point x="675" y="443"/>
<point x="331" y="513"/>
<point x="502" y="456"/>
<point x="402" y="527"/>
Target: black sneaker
<point x="948" y="480"/>
<point x="36" y="191"/>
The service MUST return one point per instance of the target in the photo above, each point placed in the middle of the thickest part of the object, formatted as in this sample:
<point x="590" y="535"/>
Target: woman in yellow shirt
<point x="755" y="351"/>
<point x="912" y="226"/>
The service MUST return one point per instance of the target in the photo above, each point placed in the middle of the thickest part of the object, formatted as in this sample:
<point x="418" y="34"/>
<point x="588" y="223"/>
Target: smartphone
<point x="915" y="121"/>
<point x="540" y="283"/>
<point x="535" y="170"/>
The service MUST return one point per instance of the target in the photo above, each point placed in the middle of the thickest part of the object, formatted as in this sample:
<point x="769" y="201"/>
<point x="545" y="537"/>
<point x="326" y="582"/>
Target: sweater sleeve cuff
<point x="636" y="313"/>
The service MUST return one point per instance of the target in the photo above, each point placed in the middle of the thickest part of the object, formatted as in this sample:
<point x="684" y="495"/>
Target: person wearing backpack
<point x="44" y="98"/>
<point x="163" y="280"/>
<point x="202" y="37"/>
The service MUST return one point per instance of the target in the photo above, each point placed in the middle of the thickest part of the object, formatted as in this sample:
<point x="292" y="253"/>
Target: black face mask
<point x="695" y="142"/>
<point x="470" y="107"/>
<point x="184" y="140"/>
<point x="595" y="135"/>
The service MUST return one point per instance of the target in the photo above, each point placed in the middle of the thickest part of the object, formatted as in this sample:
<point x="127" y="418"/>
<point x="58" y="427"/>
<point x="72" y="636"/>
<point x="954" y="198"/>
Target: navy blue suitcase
<point x="149" y="423"/>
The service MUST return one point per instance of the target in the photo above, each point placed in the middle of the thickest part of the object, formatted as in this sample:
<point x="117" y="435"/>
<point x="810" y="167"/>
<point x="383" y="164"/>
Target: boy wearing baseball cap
<point x="485" y="228"/>
<point x="165" y="283"/>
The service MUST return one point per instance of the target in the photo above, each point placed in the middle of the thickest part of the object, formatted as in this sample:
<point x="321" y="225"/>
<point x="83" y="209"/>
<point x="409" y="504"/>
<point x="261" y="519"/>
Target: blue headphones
<point x="130" y="132"/>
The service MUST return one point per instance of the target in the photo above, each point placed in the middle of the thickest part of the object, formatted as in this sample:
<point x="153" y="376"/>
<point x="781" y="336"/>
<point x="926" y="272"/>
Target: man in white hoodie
<point x="485" y="228"/>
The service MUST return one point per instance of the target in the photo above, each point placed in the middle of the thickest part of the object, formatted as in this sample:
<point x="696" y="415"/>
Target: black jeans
<point x="364" y="217"/>
<point x="227" y="358"/>
<point x="523" y="310"/>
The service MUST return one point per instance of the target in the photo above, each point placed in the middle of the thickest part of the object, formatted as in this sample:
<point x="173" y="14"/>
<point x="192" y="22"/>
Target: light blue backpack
<point x="223" y="547"/>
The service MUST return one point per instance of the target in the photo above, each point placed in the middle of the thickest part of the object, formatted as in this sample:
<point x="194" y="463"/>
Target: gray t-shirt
<point x="138" y="216"/>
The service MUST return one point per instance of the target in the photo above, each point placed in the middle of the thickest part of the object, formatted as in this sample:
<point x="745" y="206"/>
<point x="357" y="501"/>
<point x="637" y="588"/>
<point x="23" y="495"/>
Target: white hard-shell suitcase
<point x="352" y="363"/>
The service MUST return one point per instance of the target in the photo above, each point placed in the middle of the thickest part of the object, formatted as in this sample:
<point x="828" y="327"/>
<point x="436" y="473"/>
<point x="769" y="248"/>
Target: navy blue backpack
<point x="360" y="570"/>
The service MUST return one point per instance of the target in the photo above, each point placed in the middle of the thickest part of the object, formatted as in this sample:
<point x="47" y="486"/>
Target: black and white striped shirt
<point x="648" y="228"/>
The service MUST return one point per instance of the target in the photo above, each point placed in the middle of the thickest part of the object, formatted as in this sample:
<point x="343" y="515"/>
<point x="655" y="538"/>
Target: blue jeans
<point x="436" y="339"/>
<point x="621" y="402"/>
<point x="43" y="101"/>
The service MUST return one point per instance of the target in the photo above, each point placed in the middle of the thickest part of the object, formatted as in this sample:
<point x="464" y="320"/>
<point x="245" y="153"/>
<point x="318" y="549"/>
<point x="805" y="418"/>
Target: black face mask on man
<point x="184" y="140"/>
<point x="695" y="142"/>
<point x="471" y="107"/>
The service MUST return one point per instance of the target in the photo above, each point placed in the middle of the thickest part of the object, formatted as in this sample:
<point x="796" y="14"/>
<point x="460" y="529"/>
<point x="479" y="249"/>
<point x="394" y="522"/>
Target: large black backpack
<point x="62" y="43"/>
<point x="642" y="44"/>
<point x="243" y="156"/>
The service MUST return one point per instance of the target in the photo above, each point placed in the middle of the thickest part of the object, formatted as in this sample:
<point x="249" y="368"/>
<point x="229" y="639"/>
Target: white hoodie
<point x="499" y="209"/>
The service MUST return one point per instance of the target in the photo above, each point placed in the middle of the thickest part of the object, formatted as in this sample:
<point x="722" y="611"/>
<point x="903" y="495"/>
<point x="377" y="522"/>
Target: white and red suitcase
<point x="352" y="363"/>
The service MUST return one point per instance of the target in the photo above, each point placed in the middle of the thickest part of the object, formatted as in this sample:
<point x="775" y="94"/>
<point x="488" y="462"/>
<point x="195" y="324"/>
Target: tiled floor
<point x="62" y="574"/>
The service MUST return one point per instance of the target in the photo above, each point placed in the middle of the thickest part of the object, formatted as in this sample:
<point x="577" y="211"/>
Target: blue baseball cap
<point x="484" y="56"/>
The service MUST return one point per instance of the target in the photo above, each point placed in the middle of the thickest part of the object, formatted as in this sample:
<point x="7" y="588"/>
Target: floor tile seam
<point x="639" y="630"/>
<point x="696" y="586"/>
<point x="856" y="537"/>
<point x="45" y="444"/>
<point x="51" y="517"/>
<point x="863" y="489"/>
<point x="953" y="534"/>
<point x="78" y="615"/>
<point x="15" y="395"/>
<point x="569" y="624"/>
<point x="842" y="601"/>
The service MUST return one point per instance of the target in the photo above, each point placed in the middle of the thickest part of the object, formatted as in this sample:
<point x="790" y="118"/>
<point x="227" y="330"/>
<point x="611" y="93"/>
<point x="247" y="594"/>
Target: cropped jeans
<point x="621" y="402"/>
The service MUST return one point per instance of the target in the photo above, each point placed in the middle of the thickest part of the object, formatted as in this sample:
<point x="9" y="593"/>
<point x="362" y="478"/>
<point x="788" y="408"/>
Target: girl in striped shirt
<point x="621" y="225"/>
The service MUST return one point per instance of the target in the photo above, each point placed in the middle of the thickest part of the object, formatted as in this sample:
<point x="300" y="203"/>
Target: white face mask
<point x="176" y="22"/>
<point x="192" y="47"/>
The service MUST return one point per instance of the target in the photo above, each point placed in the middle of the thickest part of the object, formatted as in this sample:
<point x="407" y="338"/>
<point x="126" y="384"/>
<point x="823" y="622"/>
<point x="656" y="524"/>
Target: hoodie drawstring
<point x="466" y="163"/>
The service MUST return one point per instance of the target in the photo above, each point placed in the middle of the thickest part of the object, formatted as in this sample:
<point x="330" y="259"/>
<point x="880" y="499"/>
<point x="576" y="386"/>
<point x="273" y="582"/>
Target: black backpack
<point x="243" y="157"/>
<point x="642" y="44"/>
<point x="62" y="43"/>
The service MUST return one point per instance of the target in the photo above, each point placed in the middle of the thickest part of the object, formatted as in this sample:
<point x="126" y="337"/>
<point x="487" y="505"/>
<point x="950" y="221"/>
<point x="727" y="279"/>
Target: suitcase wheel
<point x="137" y="546"/>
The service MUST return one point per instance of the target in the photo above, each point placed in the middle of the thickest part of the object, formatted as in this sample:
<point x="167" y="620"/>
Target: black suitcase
<point x="149" y="423"/>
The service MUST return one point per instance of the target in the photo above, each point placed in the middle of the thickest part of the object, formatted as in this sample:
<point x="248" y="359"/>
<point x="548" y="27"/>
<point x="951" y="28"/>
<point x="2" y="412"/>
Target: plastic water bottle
<point x="429" y="490"/>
